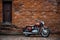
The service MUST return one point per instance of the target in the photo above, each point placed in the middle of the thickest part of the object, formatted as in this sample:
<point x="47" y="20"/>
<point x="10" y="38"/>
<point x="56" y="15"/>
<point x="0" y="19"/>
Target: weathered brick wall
<point x="26" y="12"/>
<point x="0" y="10"/>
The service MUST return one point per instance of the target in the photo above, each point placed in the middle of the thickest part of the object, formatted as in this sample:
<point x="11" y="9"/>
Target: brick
<point x="26" y="12"/>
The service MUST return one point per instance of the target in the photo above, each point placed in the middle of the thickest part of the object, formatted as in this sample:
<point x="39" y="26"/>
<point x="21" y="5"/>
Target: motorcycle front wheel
<point x="45" y="32"/>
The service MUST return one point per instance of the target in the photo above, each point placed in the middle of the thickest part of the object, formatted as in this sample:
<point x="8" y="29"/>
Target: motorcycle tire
<point x="45" y="32"/>
<point x="27" y="35"/>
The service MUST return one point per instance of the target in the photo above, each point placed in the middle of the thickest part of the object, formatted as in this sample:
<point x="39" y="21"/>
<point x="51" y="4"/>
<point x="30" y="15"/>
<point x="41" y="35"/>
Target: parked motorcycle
<point x="37" y="29"/>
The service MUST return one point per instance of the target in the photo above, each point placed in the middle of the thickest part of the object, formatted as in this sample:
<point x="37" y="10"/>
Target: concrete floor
<point x="22" y="37"/>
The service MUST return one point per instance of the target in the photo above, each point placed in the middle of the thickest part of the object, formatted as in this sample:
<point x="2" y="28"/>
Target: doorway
<point x="7" y="11"/>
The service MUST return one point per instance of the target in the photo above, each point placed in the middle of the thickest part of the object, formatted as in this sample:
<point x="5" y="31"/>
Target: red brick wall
<point x="26" y="12"/>
<point x="0" y="10"/>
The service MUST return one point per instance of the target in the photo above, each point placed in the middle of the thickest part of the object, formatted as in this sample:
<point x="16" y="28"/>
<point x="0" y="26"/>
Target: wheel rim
<point x="45" y="32"/>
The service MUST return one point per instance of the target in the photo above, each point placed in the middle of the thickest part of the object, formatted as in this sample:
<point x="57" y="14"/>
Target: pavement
<point x="22" y="37"/>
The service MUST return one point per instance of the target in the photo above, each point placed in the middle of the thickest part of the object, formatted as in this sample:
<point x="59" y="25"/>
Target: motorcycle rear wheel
<point x="27" y="35"/>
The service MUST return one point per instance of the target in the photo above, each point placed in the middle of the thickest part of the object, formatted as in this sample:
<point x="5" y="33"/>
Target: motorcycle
<point x="36" y="29"/>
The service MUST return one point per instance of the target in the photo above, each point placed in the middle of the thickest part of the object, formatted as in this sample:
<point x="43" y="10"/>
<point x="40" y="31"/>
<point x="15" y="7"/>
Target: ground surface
<point x="21" y="37"/>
